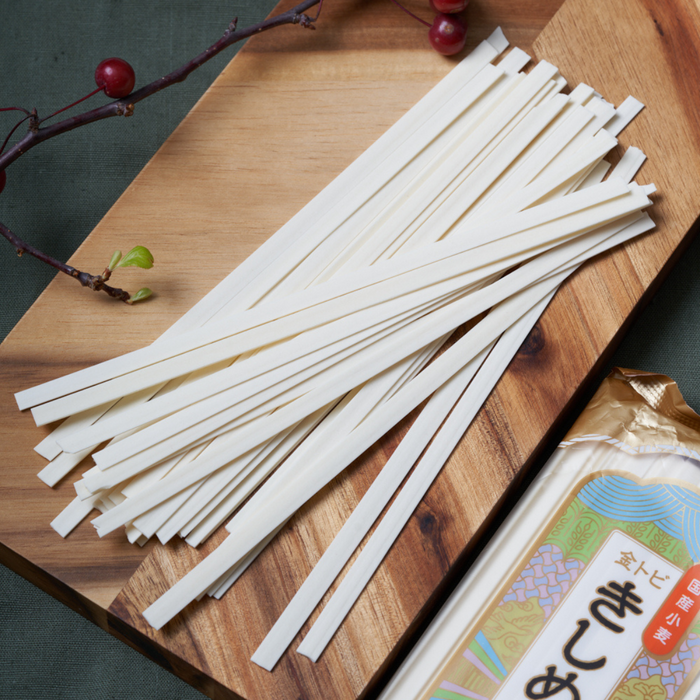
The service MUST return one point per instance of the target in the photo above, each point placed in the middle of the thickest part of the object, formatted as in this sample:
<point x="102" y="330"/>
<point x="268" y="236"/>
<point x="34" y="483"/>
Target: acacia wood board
<point x="288" y="113"/>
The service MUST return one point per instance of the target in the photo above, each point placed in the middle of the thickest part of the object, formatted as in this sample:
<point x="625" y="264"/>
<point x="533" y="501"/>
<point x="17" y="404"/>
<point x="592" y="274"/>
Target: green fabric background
<point x="57" y="193"/>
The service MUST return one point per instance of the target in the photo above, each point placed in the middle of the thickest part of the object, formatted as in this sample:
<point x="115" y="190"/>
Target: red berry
<point x="3" y="180"/>
<point x="449" y="6"/>
<point x="448" y="34"/>
<point x="116" y="76"/>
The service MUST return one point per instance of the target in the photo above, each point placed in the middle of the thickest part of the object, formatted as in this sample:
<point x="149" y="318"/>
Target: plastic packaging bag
<point x="591" y="587"/>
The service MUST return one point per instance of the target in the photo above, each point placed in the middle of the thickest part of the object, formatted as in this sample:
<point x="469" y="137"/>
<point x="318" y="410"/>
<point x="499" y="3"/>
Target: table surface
<point x="47" y="649"/>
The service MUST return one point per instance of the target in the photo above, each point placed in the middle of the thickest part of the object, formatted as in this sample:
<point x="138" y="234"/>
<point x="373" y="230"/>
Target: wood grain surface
<point x="290" y="112"/>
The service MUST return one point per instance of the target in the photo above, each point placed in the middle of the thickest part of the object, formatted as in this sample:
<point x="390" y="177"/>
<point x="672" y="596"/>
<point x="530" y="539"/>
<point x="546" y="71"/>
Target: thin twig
<point x="77" y="102"/>
<point x="94" y="282"/>
<point x="12" y="131"/>
<point x="11" y="109"/>
<point x="408" y="12"/>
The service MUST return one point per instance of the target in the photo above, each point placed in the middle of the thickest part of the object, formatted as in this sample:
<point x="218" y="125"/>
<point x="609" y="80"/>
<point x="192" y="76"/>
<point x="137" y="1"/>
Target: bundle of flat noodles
<point x="483" y="198"/>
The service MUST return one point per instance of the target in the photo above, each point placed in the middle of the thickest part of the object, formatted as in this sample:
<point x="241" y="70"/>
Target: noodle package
<point x="591" y="588"/>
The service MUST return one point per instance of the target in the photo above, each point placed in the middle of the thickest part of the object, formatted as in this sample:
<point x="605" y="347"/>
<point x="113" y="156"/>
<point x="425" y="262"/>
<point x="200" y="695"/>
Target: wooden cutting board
<point x="289" y="112"/>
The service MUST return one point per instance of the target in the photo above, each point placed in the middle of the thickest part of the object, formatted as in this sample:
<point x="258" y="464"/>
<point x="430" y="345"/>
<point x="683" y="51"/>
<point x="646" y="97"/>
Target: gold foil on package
<point x="640" y="410"/>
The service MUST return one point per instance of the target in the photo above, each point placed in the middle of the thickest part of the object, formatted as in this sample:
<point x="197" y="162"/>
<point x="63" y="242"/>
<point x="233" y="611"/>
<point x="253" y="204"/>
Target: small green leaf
<point x="140" y="295"/>
<point x="139" y="256"/>
<point x="116" y="257"/>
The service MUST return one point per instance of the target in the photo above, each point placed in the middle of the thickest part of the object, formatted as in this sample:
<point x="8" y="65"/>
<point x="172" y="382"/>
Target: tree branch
<point x="125" y="107"/>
